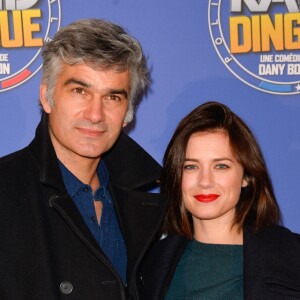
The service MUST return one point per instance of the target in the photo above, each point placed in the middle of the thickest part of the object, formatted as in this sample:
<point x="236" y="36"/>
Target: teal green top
<point x="208" y="271"/>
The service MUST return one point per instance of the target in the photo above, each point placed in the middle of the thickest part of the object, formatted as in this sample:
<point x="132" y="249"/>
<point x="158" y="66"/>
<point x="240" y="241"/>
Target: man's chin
<point x="92" y="153"/>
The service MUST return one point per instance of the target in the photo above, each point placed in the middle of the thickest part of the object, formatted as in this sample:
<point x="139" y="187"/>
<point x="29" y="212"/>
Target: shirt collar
<point x="73" y="184"/>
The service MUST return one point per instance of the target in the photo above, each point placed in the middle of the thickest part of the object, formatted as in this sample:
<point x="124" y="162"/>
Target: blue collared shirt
<point x="108" y="233"/>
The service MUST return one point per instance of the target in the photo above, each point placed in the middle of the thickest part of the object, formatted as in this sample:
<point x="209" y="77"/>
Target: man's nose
<point x="94" y="111"/>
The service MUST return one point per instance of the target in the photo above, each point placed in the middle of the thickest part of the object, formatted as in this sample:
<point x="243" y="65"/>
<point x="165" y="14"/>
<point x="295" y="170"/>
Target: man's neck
<point x="85" y="169"/>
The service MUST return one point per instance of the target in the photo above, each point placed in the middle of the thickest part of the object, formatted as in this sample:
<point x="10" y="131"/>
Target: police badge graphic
<point x="25" y="25"/>
<point x="259" y="42"/>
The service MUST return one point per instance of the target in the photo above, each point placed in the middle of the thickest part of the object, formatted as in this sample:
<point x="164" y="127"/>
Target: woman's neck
<point x="217" y="232"/>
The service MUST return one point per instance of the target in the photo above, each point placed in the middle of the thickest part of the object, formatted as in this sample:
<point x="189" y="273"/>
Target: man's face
<point x="88" y="112"/>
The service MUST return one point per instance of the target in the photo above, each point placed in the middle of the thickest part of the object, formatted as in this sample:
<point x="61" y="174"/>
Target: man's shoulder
<point x="13" y="157"/>
<point x="126" y="148"/>
<point x="15" y="171"/>
<point x="139" y="167"/>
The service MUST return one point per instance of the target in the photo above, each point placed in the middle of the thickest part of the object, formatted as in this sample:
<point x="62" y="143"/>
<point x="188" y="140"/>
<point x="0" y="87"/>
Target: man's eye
<point x="79" y="90"/>
<point x="114" y="97"/>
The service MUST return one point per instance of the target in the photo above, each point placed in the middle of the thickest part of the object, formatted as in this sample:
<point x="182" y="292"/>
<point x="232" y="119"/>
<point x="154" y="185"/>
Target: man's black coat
<point x="46" y="250"/>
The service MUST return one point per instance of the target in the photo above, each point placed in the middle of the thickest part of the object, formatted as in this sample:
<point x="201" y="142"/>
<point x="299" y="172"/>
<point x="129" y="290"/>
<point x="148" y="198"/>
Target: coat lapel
<point x="50" y="176"/>
<point x="69" y="212"/>
<point x="140" y="215"/>
<point x="253" y="262"/>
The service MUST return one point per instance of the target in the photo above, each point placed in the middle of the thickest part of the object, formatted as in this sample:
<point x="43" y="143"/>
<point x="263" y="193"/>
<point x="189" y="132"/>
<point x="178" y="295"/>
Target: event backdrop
<point x="244" y="53"/>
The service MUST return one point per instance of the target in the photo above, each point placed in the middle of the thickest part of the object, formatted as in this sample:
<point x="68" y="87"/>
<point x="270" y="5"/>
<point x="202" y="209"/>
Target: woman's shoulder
<point x="272" y="262"/>
<point x="170" y="239"/>
<point x="285" y="232"/>
<point x="275" y="233"/>
<point x="158" y="266"/>
<point x="165" y="250"/>
<point x="273" y="244"/>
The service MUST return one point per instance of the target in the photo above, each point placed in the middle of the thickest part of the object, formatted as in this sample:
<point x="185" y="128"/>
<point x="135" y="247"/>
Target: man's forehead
<point x="84" y="75"/>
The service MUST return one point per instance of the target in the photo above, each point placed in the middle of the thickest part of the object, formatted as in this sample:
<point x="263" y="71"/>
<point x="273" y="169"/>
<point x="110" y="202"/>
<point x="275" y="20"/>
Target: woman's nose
<point x="205" y="178"/>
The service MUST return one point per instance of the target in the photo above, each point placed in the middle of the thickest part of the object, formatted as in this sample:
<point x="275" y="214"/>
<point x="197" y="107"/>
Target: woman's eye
<point x="222" y="166"/>
<point x="189" y="167"/>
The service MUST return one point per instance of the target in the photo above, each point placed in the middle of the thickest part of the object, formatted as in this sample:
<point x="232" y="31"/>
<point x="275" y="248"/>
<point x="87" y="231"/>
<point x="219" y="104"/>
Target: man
<point x="75" y="220"/>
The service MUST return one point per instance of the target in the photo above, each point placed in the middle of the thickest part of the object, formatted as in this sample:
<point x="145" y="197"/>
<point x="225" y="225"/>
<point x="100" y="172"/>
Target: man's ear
<point x="125" y="124"/>
<point x="43" y="98"/>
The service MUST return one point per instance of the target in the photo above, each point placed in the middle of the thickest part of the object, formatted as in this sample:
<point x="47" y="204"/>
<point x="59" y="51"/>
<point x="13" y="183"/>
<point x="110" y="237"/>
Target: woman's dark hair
<point x="257" y="203"/>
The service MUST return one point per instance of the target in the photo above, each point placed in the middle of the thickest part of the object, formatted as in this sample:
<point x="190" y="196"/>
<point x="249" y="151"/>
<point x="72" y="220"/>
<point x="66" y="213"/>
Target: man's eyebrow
<point x="119" y="91"/>
<point x="77" y="81"/>
<point x="85" y="84"/>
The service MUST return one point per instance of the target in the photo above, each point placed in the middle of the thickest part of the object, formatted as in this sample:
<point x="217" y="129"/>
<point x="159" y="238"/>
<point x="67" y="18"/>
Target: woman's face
<point x="212" y="178"/>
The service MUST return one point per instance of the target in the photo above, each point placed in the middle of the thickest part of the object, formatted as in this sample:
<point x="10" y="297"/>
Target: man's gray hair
<point x="101" y="45"/>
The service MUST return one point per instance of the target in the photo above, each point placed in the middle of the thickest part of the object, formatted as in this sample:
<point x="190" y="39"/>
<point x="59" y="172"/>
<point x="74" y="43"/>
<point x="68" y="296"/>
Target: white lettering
<point x="263" y="5"/>
<point x="271" y="69"/>
<point x="227" y="60"/>
<point x="266" y="58"/>
<point x="3" y="57"/>
<point x="4" y="68"/>
<point x="293" y="69"/>
<point x="287" y="58"/>
<point x="16" y="4"/>
<point x="218" y="41"/>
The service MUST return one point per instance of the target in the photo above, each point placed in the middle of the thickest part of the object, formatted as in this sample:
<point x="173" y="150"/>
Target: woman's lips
<point x="206" y="198"/>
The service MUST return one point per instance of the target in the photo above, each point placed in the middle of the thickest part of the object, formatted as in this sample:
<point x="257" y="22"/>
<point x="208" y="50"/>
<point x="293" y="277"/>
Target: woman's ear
<point x="245" y="181"/>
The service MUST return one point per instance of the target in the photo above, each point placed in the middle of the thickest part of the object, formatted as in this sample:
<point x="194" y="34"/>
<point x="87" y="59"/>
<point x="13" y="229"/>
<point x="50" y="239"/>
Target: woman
<point x="223" y="241"/>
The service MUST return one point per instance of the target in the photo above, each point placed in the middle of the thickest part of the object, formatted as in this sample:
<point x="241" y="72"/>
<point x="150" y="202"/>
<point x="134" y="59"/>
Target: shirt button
<point x="85" y="189"/>
<point x="66" y="287"/>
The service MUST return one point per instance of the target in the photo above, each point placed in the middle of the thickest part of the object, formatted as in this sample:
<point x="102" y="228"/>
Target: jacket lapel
<point x="140" y="215"/>
<point x="50" y="176"/>
<point x="69" y="212"/>
<point x="252" y="263"/>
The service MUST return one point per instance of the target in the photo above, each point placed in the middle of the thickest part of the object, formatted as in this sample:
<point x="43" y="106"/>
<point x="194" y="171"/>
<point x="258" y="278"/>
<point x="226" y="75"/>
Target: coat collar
<point x="43" y="151"/>
<point x="130" y="165"/>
